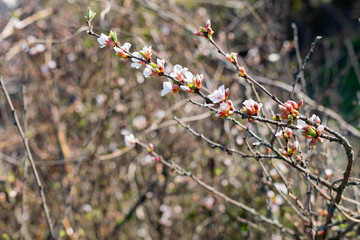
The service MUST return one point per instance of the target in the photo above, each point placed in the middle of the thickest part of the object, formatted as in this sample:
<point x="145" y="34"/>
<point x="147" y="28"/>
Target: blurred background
<point x="81" y="100"/>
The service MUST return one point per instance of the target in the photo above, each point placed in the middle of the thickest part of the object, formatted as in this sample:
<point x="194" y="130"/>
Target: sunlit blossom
<point x="226" y="109"/>
<point x="220" y="95"/>
<point x="105" y="40"/>
<point x="251" y="108"/>
<point x="310" y="131"/>
<point x="137" y="63"/>
<point x="123" y="52"/>
<point x="169" y="86"/>
<point x="181" y="74"/>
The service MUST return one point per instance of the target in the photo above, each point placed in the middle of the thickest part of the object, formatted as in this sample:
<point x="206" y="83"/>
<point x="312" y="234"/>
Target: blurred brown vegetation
<point x="71" y="84"/>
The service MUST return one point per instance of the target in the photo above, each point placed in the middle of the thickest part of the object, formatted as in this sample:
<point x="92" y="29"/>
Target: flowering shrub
<point x="290" y="152"/>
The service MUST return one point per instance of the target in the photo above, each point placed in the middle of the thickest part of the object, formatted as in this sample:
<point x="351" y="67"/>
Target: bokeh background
<point x="73" y="89"/>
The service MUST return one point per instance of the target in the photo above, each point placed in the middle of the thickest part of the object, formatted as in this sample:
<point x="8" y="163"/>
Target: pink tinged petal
<point x="102" y="40"/>
<point x="167" y="87"/>
<point x="126" y="46"/>
<point x="320" y="129"/>
<point x="294" y="147"/>
<point x="218" y="95"/>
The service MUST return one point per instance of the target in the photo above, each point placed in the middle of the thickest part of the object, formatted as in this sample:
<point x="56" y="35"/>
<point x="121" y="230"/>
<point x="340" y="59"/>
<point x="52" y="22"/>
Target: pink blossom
<point x="146" y="52"/>
<point x="290" y="110"/>
<point x="123" y="51"/>
<point x="251" y="108"/>
<point x="169" y="86"/>
<point x="220" y="95"/>
<point x="137" y="63"/>
<point x="310" y="131"/>
<point x="225" y="109"/>
<point x="181" y="74"/>
<point x="105" y="40"/>
<point x="193" y="84"/>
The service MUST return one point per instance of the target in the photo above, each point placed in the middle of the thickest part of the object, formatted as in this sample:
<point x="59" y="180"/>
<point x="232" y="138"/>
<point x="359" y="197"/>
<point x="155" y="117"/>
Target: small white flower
<point x="136" y="62"/>
<point x="167" y="87"/>
<point x="181" y="74"/>
<point x="218" y="95"/>
<point x="148" y="71"/>
<point x="103" y="40"/>
<point x="121" y="51"/>
<point x="248" y="103"/>
<point x="160" y="63"/>
<point x="130" y="140"/>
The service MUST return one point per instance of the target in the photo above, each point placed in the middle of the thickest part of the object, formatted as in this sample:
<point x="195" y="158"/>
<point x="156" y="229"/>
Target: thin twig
<point x="179" y="170"/>
<point x="222" y="147"/>
<point x="302" y="67"/>
<point x="25" y="122"/>
<point x="298" y="55"/>
<point x="32" y="163"/>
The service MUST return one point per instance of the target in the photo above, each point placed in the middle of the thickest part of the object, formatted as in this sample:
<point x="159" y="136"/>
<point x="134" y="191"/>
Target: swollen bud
<point x="90" y="14"/>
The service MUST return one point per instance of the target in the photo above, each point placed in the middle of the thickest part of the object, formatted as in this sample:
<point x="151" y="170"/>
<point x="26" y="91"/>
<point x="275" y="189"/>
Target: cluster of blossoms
<point x="310" y="131"/>
<point x="290" y="110"/>
<point x="182" y="78"/>
<point x="251" y="108"/>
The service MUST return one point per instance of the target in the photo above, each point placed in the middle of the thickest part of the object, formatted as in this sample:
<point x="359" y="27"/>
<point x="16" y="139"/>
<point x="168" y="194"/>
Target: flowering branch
<point x="179" y="170"/>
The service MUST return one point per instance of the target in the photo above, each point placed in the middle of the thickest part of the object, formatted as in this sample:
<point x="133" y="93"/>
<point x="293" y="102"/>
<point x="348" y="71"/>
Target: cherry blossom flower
<point x="146" y="53"/>
<point x="251" y="108"/>
<point x="155" y="70"/>
<point x="310" y="131"/>
<point x="137" y="63"/>
<point x="290" y="110"/>
<point x="226" y="109"/>
<point x="181" y="74"/>
<point x="105" y="40"/>
<point x="169" y="87"/>
<point x="193" y="84"/>
<point x="286" y="133"/>
<point x="220" y="95"/>
<point x="130" y="140"/>
<point x="205" y="32"/>
<point x="149" y="71"/>
<point x="123" y="51"/>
